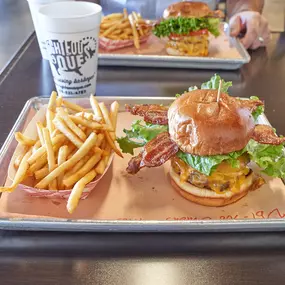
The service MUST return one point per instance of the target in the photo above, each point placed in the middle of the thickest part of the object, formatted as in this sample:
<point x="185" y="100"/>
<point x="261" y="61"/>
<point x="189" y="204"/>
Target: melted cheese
<point x="223" y="175"/>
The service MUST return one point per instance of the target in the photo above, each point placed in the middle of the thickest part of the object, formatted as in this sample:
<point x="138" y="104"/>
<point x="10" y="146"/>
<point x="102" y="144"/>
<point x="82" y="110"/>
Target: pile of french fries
<point x="124" y="26"/>
<point x="73" y="146"/>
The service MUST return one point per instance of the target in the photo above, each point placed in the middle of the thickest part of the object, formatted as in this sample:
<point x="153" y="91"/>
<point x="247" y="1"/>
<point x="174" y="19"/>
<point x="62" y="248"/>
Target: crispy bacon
<point x="155" y="153"/>
<point x="154" y="114"/>
<point x="265" y="134"/>
<point x="251" y="104"/>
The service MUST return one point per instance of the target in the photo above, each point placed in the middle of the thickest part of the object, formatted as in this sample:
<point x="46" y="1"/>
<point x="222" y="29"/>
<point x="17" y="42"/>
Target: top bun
<point x="190" y="9"/>
<point x="202" y="126"/>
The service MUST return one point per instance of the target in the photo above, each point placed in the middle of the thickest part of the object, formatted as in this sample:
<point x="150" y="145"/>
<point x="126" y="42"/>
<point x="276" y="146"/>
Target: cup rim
<point x="75" y="3"/>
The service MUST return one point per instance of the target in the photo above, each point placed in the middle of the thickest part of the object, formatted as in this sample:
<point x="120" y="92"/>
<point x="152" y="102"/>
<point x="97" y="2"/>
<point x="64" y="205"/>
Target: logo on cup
<point x="70" y="56"/>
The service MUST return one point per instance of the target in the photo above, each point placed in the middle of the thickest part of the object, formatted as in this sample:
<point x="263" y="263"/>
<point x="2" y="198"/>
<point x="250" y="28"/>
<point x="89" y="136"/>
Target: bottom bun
<point x="207" y="197"/>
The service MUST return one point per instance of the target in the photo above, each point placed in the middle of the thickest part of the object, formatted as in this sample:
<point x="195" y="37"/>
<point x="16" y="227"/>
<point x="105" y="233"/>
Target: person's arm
<point x="246" y="19"/>
<point x="236" y="6"/>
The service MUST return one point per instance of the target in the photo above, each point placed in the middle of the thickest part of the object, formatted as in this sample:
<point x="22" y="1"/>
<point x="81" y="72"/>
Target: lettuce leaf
<point x="139" y="134"/>
<point x="213" y="83"/>
<point x="182" y="26"/>
<point x="270" y="158"/>
<point x="259" y="110"/>
<point x="207" y="164"/>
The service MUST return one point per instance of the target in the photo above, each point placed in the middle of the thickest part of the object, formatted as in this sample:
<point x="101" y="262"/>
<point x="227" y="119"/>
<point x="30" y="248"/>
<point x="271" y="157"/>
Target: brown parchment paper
<point x="219" y="47"/>
<point x="145" y="196"/>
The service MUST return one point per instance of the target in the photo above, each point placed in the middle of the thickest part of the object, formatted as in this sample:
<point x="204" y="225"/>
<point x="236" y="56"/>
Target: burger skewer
<point x="219" y="91"/>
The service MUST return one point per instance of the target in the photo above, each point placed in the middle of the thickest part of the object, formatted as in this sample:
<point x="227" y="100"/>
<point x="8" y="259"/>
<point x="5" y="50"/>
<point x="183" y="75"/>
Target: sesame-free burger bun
<point x="202" y="126"/>
<point x="190" y="9"/>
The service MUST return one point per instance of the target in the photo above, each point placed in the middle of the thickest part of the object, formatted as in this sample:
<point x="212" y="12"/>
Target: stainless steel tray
<point x="116" y="58"/>
<point x="42" y="224"/>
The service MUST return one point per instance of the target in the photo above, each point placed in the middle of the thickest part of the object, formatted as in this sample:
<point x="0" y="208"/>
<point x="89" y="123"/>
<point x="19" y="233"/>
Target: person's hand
<point x="255" y="27"/>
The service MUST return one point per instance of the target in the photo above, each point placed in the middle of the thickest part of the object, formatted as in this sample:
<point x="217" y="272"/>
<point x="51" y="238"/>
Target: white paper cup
<point x="71" y="31"/>
<point x="35" y="5"/>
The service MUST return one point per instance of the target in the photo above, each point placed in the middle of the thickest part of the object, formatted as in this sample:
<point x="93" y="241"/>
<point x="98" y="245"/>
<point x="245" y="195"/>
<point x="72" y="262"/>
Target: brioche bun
<point x="190" y="9"/>
<point x="202" y="126"/>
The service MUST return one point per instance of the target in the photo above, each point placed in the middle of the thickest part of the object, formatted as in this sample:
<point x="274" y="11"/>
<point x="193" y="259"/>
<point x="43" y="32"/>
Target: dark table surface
<point x="85" y="258"/>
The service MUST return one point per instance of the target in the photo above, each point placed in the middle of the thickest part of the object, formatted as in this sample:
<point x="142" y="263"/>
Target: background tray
<point x="224" y="53"/>
<point x="135" y="203"/>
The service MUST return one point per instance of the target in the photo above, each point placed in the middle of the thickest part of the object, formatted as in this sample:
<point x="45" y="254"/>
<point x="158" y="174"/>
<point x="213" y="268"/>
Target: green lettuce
<point x="139" y="134"/>
<point x="182" y="26"/>
<point x="270" y="158"/>
<point x="213" y="83"/>
<point x="259" y="110"/>
<point x="207" y="164"/>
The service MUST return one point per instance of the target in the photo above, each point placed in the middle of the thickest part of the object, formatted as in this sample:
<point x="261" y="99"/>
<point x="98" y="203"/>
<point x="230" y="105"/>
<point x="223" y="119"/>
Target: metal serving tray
<point x="225" y="53"/>
<point x="25" y="222"/>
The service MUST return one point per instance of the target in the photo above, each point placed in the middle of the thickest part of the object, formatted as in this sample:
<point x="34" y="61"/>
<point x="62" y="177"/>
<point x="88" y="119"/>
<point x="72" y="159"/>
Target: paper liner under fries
<point x="110" y="45"/>
<point x="31" y="132"/>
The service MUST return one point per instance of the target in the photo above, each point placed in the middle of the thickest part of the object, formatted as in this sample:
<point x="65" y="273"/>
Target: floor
<point x="15" y="27"/>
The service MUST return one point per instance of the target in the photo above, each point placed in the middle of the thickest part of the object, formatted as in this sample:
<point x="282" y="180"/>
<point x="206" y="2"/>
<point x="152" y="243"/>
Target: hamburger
<point x="211" y="140"/>
<point x="187" y="26"/>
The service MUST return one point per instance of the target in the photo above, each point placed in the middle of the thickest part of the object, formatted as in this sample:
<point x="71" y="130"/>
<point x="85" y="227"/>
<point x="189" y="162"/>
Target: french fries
<point x="78" y="189"/>
<point x="124" y="26"/>
<point x="72" y="147"/>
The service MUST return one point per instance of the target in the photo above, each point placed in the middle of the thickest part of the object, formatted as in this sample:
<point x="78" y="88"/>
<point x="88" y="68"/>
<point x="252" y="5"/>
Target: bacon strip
<point x="155" y="153"/>
<point x="154" y="114"/>
<point x="265" y="134"/>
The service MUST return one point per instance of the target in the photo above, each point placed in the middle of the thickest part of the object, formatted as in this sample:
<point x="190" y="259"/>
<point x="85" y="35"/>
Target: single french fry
<point x="92" y="161"/>
<point x="112" y="144"/>
<point x="78" y="189"/>
<point x="106" y="160"/>
<point x="76" y="167"/>
<point x="24" y="140"/>
<point x="100" y="168"/>
<point x="58" y="102"/>
<point x="107" y="119"/>
<point x="49" y="118"/>
<point x="81" y="152"/>
<point x="38" y="164"/>
<point x="36" y="146"/>
<point x="52" y="101"/>
<point x="114" y="109"/>
<point x="90" y="124"/>
<point x="125" y="12"/>
<point x="61" y="126"/>
<point x="136" y="18"/>
<point x="100" y="139"/>
<point x="62" y="156"/>
<point x="72" y="126"/>
<point x="135" y="32"/>
<point x="41" y="173"/>
<point x="20" y="174"/>
<point x="40" y="127"/>
<point x="113" y="16"/>
<point x="42" y="150"/>
<point x="20" y="157"/>
<point x="73" y="106"/>
<point x="95" y="107"/>
<point x="50" y="156"/>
